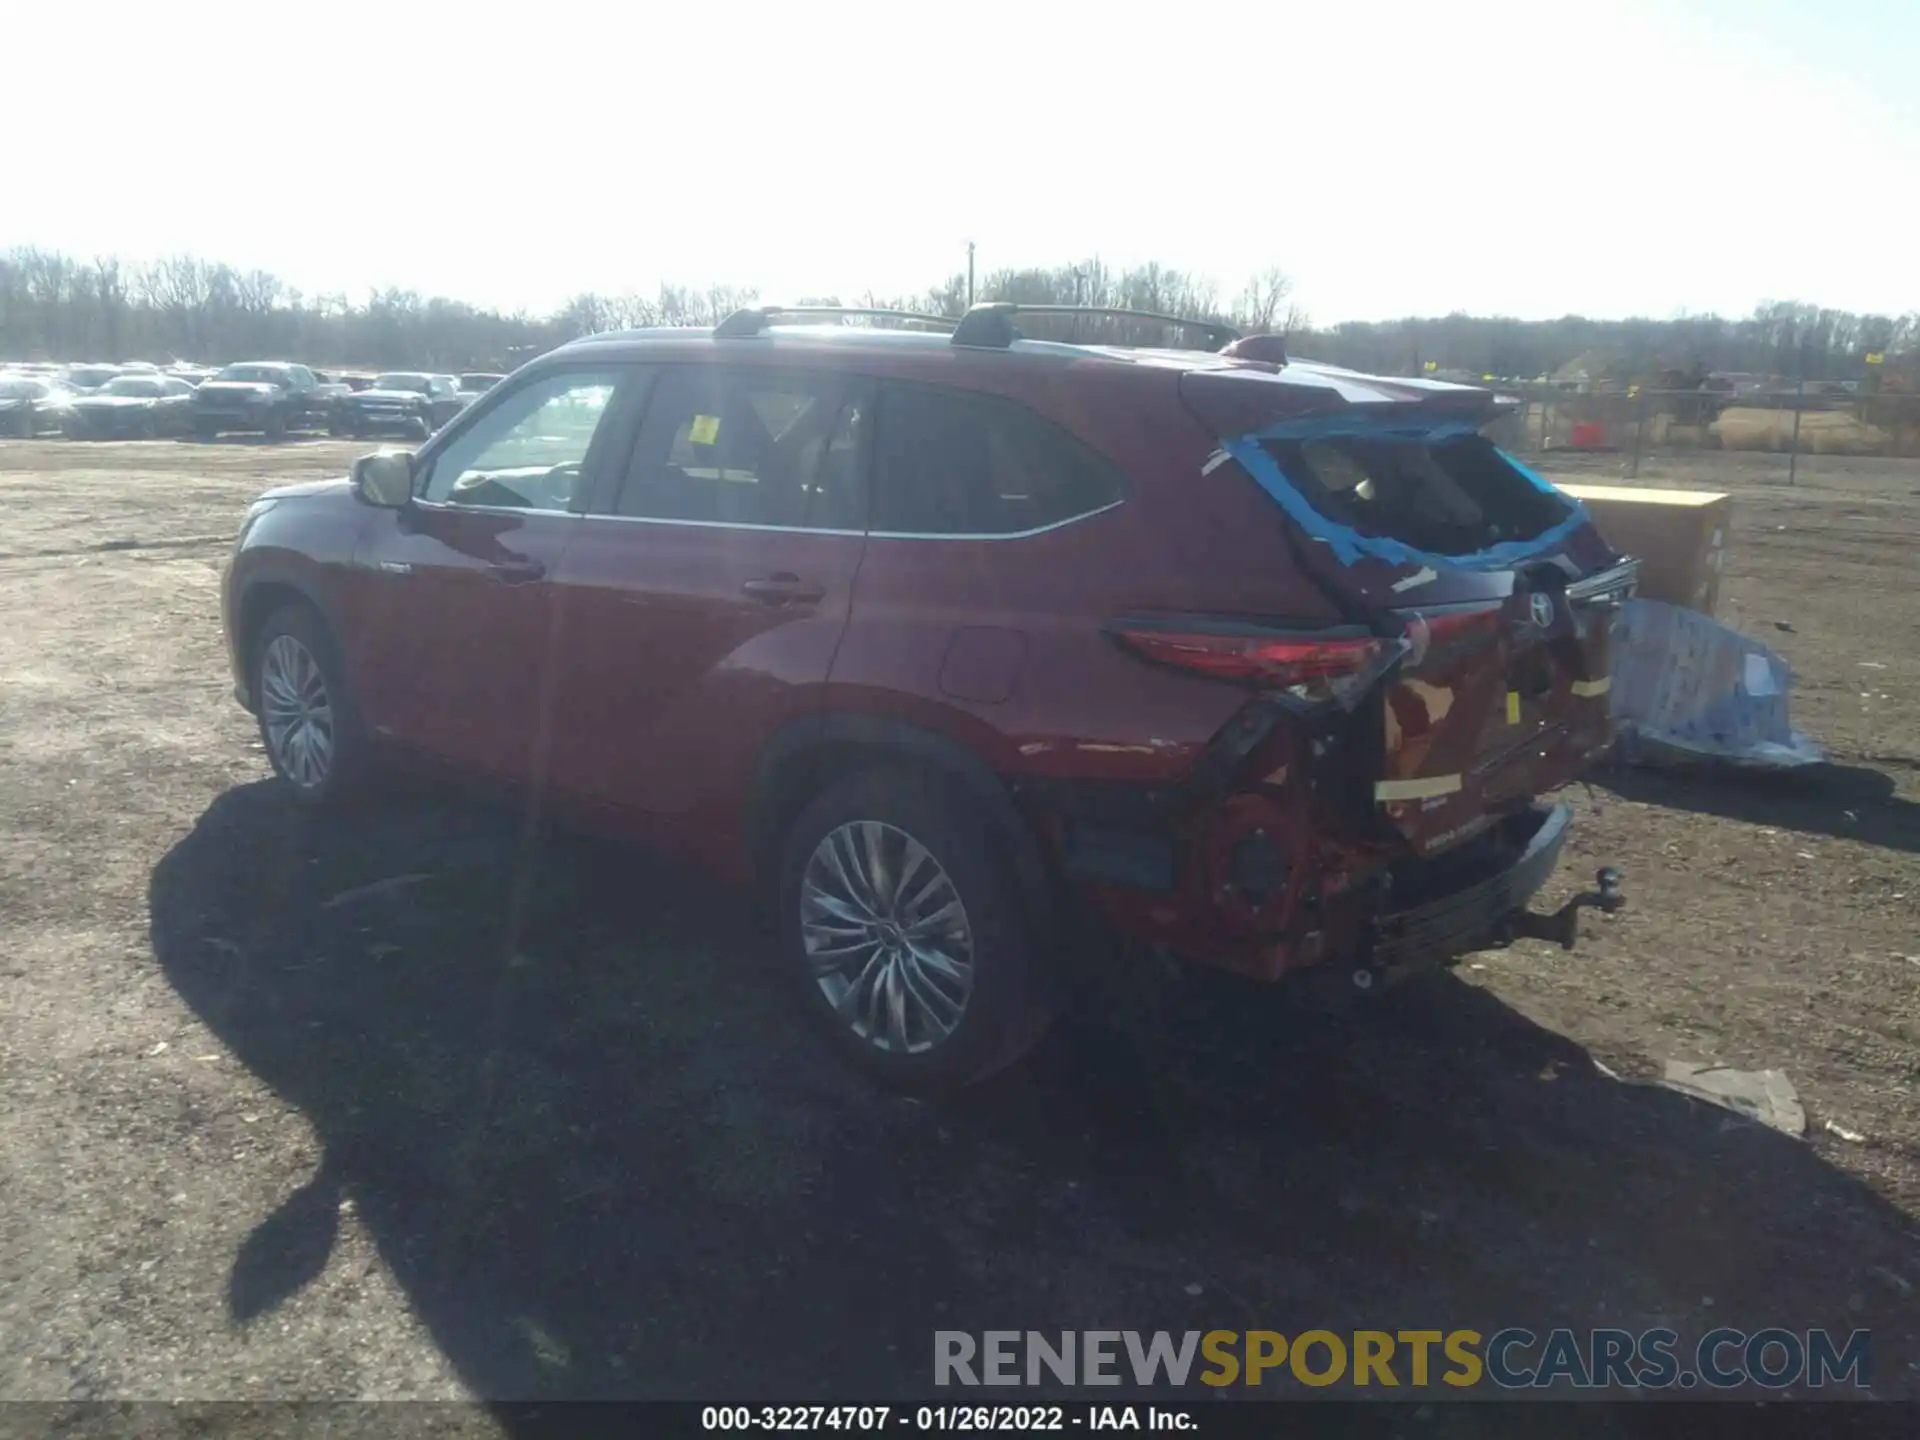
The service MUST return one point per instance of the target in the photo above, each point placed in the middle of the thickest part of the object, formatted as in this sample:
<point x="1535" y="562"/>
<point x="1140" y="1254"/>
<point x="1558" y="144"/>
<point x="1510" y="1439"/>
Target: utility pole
<point x="970" y="273"/>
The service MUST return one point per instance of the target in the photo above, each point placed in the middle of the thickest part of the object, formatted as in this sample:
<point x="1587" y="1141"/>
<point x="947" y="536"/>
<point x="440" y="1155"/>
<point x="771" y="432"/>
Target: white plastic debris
<point x="1763" y="1095"/>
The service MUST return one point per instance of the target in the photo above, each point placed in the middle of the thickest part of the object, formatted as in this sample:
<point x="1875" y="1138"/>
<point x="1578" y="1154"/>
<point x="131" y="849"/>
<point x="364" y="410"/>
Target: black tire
<point x="276" y="427"/>
<point x="147" y="428"/>
<point x="23" y="426"/>
<point x="349" y="757"/>
<point x="206" y="430"/>
<point x="1009" y="1003"/>
<point x="356" y="429"/>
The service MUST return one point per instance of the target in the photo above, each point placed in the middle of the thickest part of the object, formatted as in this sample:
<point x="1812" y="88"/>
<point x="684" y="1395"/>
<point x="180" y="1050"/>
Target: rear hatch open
<point x="1496" y="586"/>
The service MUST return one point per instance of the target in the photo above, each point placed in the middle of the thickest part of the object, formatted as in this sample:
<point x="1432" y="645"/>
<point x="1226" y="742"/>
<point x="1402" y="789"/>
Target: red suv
<point x="954" y="639"/>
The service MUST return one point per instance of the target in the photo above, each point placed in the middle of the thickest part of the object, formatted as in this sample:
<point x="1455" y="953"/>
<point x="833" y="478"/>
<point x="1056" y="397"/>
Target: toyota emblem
<point x="1541" y="608"/>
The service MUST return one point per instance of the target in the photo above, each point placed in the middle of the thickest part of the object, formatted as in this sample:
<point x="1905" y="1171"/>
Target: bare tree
<point x="1265" y="305"/>
<point x="180" y="306"/>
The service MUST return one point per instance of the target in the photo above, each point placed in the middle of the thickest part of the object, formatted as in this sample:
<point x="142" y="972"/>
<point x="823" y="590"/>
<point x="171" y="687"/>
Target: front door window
<point x="526" y="451"/>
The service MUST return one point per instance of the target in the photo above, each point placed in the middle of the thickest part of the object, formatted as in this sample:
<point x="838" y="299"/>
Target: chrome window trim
<point x="1008" y="535"/>
<point x="446" y="508"/>
<point x="815" y="530"/>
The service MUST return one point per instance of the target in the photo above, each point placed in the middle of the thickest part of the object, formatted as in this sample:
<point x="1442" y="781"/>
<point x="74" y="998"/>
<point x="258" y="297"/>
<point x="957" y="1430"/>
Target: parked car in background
<point x="133" y="406"/>
<point x="332" y="391"/>
<point x="476" y="383"/>
<point x="268" y="396"/>
<point x="34" y="405"/>
<point x="406" y="400"/>
<point x="973" y="651"/>
<point x="80" y="378"/>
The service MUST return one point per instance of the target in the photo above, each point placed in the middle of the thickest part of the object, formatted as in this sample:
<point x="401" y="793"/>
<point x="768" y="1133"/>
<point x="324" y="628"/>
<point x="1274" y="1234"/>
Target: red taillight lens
<point x="1256" y="659"/>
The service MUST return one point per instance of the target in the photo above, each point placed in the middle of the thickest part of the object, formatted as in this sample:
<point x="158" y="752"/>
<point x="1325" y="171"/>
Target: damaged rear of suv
<point x="1374" y="801"/>
<point x="948" y="642"/>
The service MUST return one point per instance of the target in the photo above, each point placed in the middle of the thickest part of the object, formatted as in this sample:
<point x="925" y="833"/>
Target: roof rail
<point x="744" y="324"/>
<point x="990" y="324"/>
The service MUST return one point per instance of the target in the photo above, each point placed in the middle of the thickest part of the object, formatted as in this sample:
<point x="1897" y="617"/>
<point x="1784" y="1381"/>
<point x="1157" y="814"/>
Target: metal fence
<point x="1641" y="423"/>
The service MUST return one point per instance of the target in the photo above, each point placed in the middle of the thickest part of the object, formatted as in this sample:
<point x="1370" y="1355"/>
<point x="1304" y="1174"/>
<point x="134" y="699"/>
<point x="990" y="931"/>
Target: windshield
<point x="397" y="381"/>
<point x="91" y="375"/>
<point x="478" y="382"/>
<point x="131" y="385"/>
<point x="258" y="374"/>
<point x="14" y="389"/>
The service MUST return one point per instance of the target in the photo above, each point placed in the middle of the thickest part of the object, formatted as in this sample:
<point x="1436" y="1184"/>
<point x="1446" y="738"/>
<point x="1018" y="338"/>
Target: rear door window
<point x="751" y="447"/>
<point x="955" y="463"/>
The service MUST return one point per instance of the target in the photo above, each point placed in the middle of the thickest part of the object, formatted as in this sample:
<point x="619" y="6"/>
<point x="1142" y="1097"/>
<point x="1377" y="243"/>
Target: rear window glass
<point x="1452" y="497"/>
<point x="954" y="463"/>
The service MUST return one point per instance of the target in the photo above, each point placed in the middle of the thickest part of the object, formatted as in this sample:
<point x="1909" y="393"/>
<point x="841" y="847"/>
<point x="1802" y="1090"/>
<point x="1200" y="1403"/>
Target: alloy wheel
<point x="887" y="936"/>
<point x="296" y="712"/>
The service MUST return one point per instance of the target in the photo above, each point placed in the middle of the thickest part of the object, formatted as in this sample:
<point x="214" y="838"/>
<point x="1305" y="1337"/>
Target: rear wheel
<point x="206" y="430"/>
<point x="906" y="935"/>
<point x="308" y="720"/>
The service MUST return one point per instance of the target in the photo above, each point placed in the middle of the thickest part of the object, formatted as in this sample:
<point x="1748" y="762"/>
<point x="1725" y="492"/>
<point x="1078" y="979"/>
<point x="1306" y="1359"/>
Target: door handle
<point x="517" y="572"/>
<point x="782" y="588"/>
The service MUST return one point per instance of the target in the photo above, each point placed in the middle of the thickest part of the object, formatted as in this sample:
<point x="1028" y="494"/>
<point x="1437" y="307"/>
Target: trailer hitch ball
<point x="1562" y="927"/>
<point x="1607" y="885"/>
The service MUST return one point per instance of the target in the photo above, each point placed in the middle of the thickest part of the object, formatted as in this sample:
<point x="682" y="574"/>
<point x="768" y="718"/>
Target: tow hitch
<point x="1563" y="925"/>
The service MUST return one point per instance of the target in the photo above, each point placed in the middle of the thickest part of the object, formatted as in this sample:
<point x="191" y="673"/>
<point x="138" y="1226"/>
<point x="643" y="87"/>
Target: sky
<point x="1605" y="157"/>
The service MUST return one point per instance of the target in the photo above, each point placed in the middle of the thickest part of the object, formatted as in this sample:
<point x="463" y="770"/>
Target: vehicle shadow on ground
<point x="582" y="1124"/>
<point x="1849" y="802"/>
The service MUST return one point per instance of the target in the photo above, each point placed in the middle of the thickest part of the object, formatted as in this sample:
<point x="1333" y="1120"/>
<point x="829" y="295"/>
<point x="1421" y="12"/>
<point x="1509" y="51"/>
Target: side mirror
<point x="384" y="479"/>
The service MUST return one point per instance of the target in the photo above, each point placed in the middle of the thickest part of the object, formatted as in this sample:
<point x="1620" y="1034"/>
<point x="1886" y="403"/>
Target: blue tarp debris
<point x="1688" y="690"/>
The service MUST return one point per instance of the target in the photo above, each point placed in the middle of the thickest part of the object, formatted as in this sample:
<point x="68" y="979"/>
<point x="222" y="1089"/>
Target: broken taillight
<point x="1313" y="664"/>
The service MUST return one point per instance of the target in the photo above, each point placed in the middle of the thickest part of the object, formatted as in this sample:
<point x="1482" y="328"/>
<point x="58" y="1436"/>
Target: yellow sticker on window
<point x="704" y="430"/>
<point x="1513" y="707"/>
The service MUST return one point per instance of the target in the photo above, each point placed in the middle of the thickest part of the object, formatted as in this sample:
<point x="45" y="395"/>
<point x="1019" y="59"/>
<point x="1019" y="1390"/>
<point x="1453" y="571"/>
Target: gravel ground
<point x="533" y="1123"/>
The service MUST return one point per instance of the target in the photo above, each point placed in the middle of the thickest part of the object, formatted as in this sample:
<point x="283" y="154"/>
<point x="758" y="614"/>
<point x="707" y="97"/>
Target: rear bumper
<point x="1358" y="924"/>
<point x="1481" y="912"/>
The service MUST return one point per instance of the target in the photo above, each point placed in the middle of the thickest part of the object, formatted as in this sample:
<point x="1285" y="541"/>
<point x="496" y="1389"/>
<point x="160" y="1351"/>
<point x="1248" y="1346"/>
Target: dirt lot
<point x="537" y="1125"/>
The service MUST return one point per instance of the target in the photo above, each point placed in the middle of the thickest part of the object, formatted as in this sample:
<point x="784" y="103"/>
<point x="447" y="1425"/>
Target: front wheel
<point x="276" y="428"/>
<point x="906" y="934"/>
<point x="308" y="720"/>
